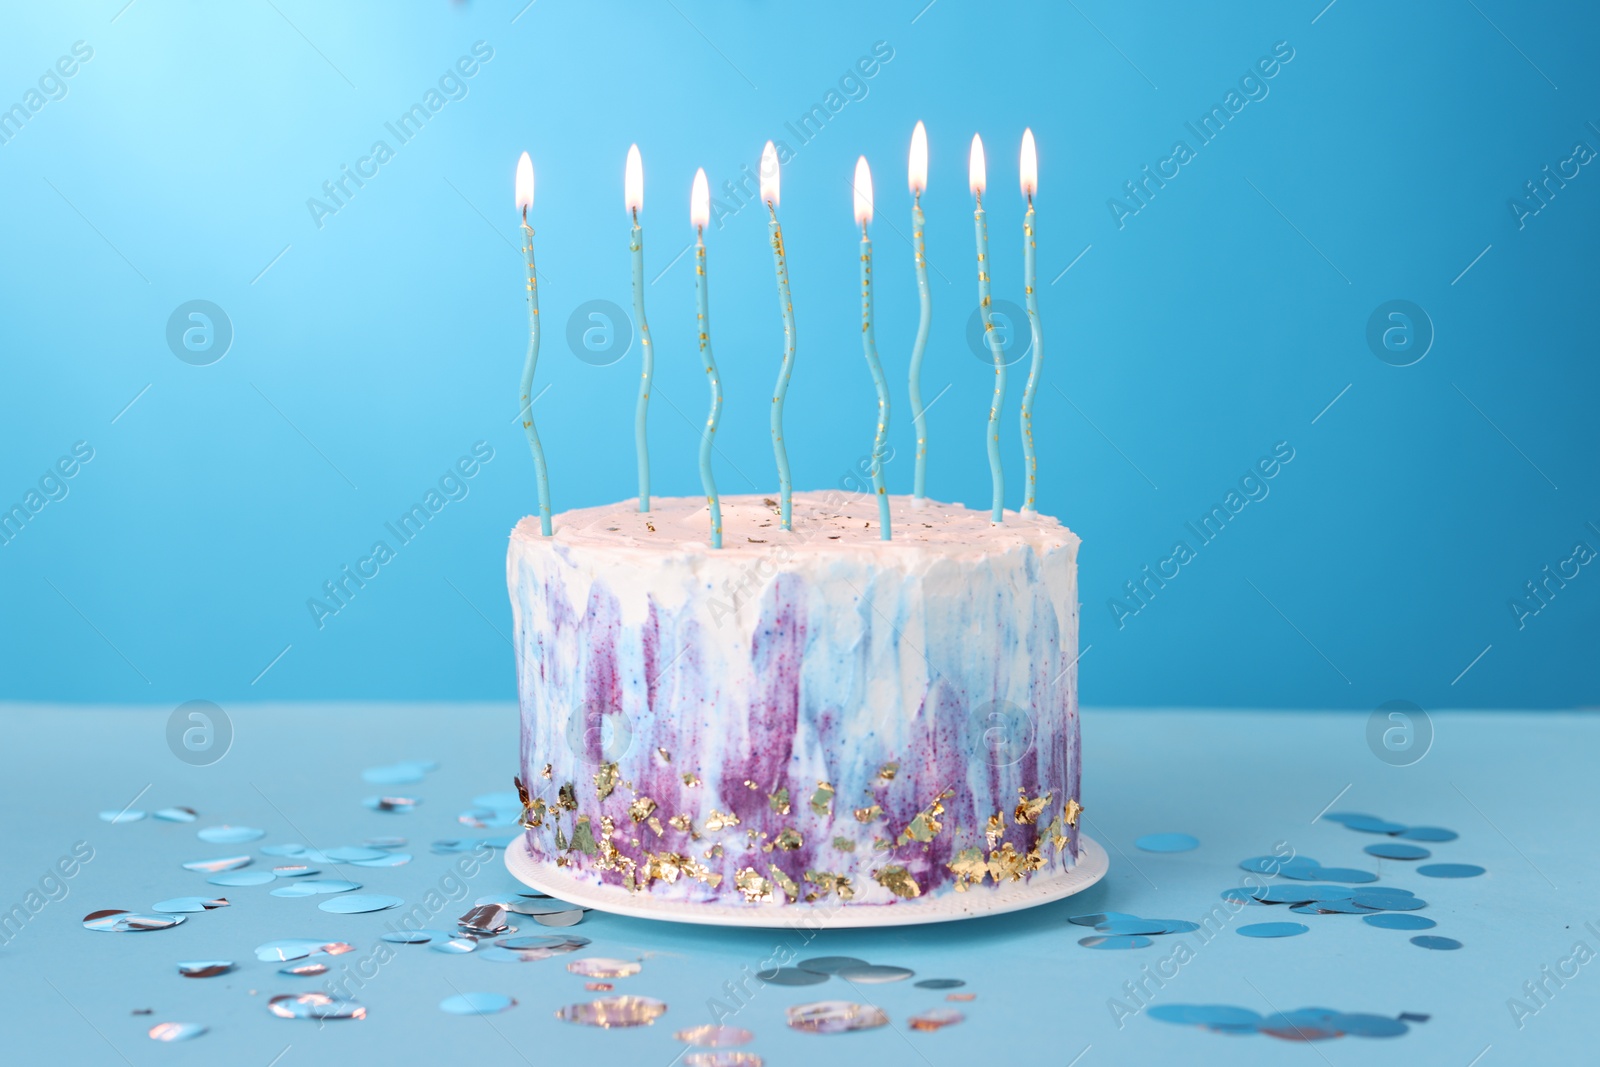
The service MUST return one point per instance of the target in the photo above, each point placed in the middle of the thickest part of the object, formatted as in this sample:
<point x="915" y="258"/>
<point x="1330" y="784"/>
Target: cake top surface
<point x="823" y="522"/>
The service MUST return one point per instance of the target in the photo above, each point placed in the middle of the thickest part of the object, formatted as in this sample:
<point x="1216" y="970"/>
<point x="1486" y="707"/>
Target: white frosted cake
<point x="814" y="717"/>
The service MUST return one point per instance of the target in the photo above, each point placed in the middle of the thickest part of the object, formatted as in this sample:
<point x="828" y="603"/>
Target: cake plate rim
<point x="1092" y="865"/>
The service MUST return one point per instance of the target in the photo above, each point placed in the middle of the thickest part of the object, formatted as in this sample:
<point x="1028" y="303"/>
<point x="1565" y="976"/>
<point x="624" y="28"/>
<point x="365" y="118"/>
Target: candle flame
<point x="633" y="181"/>
<point x="918" y="169"/>
<point x="700" y="201"/>
<point x="524" y="183"/>
<point x="863" y="191"/>
<point x="977" y="172"/>
<point x="769" y="175"/>
<point x="1030" y="165"/>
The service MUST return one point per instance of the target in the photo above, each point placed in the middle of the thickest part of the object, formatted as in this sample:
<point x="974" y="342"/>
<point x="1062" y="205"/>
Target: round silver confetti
<point x="1098" y="917"/>
<point x="936" y="1019"/>
<point x="606" y="967"/>
<point x="1115" y="942"/>
<point x="829" y="964"/>
<point x="217" y="866"/>
<point x="411" y="937"/>
<point x="1450" y="870"/>
<point x="176" y="1031"/>
<point x="189" y="904"/>
<point x="314" y="1005"/>
<point x="1177" y="926"/>
<point x="614" y="1012"/>
<point x="315" y="886"/>
<point x="124" y="815"/>
<point x="477" y="1004"/>
<point x="391" y="804"/>
<point x="304" y="970"/>
<point x="295" y="948"/>
<point x="1397" y="850"/>
<point x="874" y="973"/>
<point x="1221" y="1018"/>
<point x="359" y="903"/>
<point x="1444" y="944"/>
<point x="722" y="1059"/>
<point x="560" y="918"/>
<point x="1389" y="920"/>
<point x="1167" y="843"/>
<point x="714" y="1036"/>
<point x="790" y="976"/>
<point x="1274" y="929"/>
<point x="1331" y="907"/>
<point x="205" y="968"/>
<point x="116" y="921"/>
<point x="835" y="1017"/>
<point x="552" y="942"/>
<point x="229" y="835"/>
<point x="940" y="983"/>
<point x="453" y="945"/>
<point x="241" y="878"/>
<point x="294" y="870"/>
<point x="175" y="815"/>
<point x="1131" y="927"/>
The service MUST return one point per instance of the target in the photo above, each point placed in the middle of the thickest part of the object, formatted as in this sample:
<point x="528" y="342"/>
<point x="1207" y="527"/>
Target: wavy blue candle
<point x="917" y="173"/>
<point x="869" y="345"/>
<point x="977" y="176"/>
<point x="699" y="215"/>
<point x="1030" y="185"/>
<point x="524" y="202"/>
<point x="769" y="193"/>
<point x="633" y="197"/>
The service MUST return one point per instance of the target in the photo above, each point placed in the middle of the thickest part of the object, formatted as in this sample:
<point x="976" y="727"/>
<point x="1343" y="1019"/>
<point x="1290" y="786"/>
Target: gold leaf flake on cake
<point x="691" y="779"/>
<point x="898" y="880"/>
<point x="655" y="826"/>
<point x="641" y="809"/>
<point x="925" y="825"/>
<point x="547" y="772"/>
<point x="1007" y="863"/>
<point x="996" y="828"/>
<point x="756" y="889"/>
<point x="828" y="882"/>
<point x="822" y="799"/>
<point x="1071" y="811"/>
<point x="867" y="814"/>
<point x="716" y="820"/>
<point x="780" y="801"/>
<point x="888" y="771"/>
<point x="533" y="814"/>
<point x="789" y="839"/>
<point x="969" y="868"/>
<point x="666" y="757"/>
<point x="605" y="779"/>
<point x="522" y="791"/>
<point x="784" y="882"/>
<point x="583" y="837"/>
<point x="681" y="821"/>
<point x="844" y="844"/>
<point x="567" y="797"/>
<point x="748" y="784"/>
<point x="1028" y="811"/>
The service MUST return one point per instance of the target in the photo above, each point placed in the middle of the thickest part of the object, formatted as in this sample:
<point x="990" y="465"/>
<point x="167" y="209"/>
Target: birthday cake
<point x="814" y="717"/>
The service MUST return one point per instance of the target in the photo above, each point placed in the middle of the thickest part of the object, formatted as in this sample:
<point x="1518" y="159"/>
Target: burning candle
<point x="917" y="174"/>
<point x="633" y="197"/>
<point x="769" y="193"/>
<point x="977" y="177"/>
<point x="863" y="206"/>
<point x="1030" y="186"/>
<point x="524" y="202"/>
<point x="699" y="215"/>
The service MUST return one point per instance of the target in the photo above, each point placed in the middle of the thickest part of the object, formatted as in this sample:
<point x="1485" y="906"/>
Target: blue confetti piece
<point x="1429" y="833"/>
<point x="1395" y="850"/>
<point x="1274" y="929"/>
<point x="1450" y="870"/>
<point x="1115" y="942"/>
<point x="1389" y="920"/>
<point x="1167" y="843"/>
<point x="1443" y="944"/>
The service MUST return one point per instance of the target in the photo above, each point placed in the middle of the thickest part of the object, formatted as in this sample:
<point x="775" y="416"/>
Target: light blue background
<point x="1223" y="318"/>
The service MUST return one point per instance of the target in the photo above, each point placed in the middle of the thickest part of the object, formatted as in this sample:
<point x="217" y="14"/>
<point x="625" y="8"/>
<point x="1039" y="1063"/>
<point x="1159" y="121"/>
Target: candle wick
<point x="524" y="218"/>
<point x="635" y="212"/>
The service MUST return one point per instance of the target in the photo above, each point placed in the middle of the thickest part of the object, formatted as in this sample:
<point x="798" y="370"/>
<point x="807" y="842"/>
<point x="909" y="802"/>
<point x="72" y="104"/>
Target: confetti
<point x="124" y="815"/>
<point x="205" y="968"/>
<point x="116" y="921"/>
<point x="935" y="1019"/>
<point x="1444" y="944"/>
<point x="1389" y="920"/>
<point x="614" y="1012"/>
<point x="1274" y="929"/>
<point x="940" y="983"/>
<point x="230" y="835"/>
<point x="1450" y="870"/>
<point x="358" y="903"/>
<point x="604" y="967"/>
<point x="241" y="878"/>
<point x="189" y="904"/>
<point x="873" y="973"/>
<point x="1115" y="942"/>
<point x="1396" y="850"/>
<point x="835" y="1017"/>
<point x="791" y="976"/>
<point x="714" y="1036"/>
<point x="176" y="1031"/>
<point x="477" y="1004"/>
<point x="217" y="866"/>
<point x="314" y="1005"/>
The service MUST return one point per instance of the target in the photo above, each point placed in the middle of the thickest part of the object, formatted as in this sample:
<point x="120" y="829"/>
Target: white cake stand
<point x="1012" y="896"/>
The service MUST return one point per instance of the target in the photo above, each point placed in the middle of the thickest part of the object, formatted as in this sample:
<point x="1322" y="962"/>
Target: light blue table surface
<point x="1520" y="789"/>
